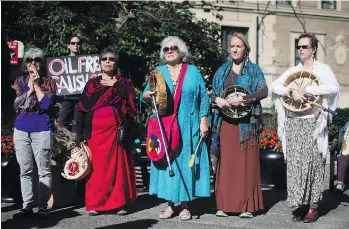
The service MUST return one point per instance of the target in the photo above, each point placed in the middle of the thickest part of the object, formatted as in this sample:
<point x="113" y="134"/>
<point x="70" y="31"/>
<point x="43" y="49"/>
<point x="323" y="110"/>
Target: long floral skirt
<point x="305" y="165"/>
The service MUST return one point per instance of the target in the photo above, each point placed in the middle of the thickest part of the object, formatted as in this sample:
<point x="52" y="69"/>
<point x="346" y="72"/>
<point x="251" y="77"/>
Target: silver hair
<point x="183" y="49"/>
<point x="33" y="53"/>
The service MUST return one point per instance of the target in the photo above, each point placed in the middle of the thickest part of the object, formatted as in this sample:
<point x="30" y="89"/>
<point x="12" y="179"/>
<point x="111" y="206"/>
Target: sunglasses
<point x="111" y="59"/>
<point x="75" y="43"/>
<point x="303" y="46"/>
<point x="172" y="49"/>
<point x="36" y="59"/>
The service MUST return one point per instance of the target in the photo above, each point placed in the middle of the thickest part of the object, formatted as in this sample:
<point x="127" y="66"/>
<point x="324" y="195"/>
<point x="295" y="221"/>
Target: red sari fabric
<point x="112" y="183"/>
<point x="121" y="96"/>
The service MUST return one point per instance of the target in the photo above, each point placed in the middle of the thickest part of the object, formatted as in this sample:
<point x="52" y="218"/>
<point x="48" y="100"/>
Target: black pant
<point x="68" y="113"/>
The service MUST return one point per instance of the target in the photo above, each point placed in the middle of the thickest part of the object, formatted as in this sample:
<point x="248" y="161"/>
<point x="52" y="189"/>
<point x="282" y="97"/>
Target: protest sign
<point x="13" y="51"/>
<point x="72" y="72"/>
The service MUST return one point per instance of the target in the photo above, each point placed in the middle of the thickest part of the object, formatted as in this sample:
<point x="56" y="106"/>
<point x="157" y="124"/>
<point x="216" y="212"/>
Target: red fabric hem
<point x="112" y="183"/>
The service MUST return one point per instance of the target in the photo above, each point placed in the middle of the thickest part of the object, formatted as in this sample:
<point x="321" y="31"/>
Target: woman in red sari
<point x="106" y="104"/>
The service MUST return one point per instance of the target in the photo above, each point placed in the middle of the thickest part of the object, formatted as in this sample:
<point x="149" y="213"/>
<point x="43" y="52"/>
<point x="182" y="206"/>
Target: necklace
<point x="174" y="82"/>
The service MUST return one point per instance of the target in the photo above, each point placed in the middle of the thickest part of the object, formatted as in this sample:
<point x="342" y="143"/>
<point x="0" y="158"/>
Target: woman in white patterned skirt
<point x="306" y="152"/>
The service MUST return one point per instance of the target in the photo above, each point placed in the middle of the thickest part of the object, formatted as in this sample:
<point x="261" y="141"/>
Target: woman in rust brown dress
<point x="238" y="185"/>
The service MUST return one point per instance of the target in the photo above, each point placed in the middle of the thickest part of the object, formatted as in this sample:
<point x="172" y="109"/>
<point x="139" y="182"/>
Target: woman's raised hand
<point x="30" y="85"/>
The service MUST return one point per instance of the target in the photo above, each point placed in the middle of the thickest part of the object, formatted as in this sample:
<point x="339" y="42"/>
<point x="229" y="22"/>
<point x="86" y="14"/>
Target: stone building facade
<point x="272" y="28"/>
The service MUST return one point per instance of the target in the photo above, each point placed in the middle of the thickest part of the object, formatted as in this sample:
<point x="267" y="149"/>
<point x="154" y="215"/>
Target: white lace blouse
<point x="329" y="90"/>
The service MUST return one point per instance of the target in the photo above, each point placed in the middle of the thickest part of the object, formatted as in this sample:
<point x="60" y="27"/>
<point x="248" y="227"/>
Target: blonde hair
<point x="247" y="47"/>
<point x="243" y="39"/>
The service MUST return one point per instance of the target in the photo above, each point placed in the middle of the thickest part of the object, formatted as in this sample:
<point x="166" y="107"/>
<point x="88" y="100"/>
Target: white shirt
<point x="329" y="91"/>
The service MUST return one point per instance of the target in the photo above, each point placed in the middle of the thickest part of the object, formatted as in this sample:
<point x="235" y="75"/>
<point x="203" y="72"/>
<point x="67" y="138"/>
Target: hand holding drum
<point x="222" y="103"/>
<point x="147" y="95"/>
<point x="298" y="100"/>
<point x="235" y="101"/>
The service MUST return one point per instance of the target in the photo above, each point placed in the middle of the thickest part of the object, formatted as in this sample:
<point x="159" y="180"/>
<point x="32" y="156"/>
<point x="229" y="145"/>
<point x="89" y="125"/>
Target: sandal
<point x="184" y="215"/>
<point x="168" y="213"/>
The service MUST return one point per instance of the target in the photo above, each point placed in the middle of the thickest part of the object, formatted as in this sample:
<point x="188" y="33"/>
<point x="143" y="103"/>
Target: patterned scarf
<point x="95" y="96"/>
<point x="30" y="104"/>
<point x="250" y="77"/>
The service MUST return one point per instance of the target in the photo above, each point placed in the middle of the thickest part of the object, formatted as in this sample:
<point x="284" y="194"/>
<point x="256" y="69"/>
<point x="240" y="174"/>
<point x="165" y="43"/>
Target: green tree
<point x="134" y="28"/>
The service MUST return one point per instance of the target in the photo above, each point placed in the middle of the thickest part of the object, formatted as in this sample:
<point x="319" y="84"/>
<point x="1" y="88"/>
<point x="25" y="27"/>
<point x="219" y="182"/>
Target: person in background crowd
<point x="238" y="185"/>
<point x="343" y="160"/>
<point x="192" y="119"/>
<point x="305" y="135"/>
<point x="69" y="103"/>
<point x="33" y="131"/>
<point x="105" y="106"/>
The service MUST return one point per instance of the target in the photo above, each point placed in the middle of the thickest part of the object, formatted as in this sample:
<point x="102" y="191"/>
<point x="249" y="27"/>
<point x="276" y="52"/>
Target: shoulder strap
<point x="179" y="87"/>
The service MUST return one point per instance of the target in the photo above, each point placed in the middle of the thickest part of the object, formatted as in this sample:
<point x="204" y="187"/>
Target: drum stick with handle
<point x="192" y="159"/>
<point x="162" y="136"/>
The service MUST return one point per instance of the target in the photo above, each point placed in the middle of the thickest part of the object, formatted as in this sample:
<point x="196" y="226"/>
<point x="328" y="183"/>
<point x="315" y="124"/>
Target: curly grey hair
<point x="183" y="49"/>
<point x="33" y="53"/>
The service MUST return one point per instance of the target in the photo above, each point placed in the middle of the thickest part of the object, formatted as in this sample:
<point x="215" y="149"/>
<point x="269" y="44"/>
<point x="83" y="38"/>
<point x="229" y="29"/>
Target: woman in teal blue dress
<point x="192" y="119"/>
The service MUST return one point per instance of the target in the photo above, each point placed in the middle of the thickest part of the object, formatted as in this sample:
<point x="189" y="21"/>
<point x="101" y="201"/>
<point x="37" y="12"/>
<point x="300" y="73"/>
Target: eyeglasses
<point x="303" y="46"/>
<point x="172" y="49"/>
<point x="36" y="59"/>
<point x="75" y="43"/>
<point x="111" y="59"/>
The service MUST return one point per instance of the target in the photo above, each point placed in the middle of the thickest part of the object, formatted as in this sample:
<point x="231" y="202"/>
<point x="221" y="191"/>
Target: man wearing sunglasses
<point x="68" y="105"/>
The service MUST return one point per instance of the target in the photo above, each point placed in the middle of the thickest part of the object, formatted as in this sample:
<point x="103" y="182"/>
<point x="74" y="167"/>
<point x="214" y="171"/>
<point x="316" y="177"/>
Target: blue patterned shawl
<point x="250" y="77"/>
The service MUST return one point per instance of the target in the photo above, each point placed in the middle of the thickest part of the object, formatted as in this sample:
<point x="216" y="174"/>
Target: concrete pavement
<point x="334" y="211"/>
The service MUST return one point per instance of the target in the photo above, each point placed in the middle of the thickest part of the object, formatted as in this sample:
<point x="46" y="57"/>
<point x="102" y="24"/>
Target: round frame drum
<point x="240" y="111"/>
<point x="157" y="83"/>
<point x="296" y="80"/>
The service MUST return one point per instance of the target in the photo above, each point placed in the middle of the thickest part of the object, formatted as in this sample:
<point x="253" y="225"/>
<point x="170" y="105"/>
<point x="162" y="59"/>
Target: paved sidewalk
<point x="334" y="212"/>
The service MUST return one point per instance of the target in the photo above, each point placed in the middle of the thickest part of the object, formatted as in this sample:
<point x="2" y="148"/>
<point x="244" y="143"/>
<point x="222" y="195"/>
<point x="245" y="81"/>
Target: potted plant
<point x="7" y="146"/>
<point x="272" y="163"/>
<point x="10" y="182"/>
